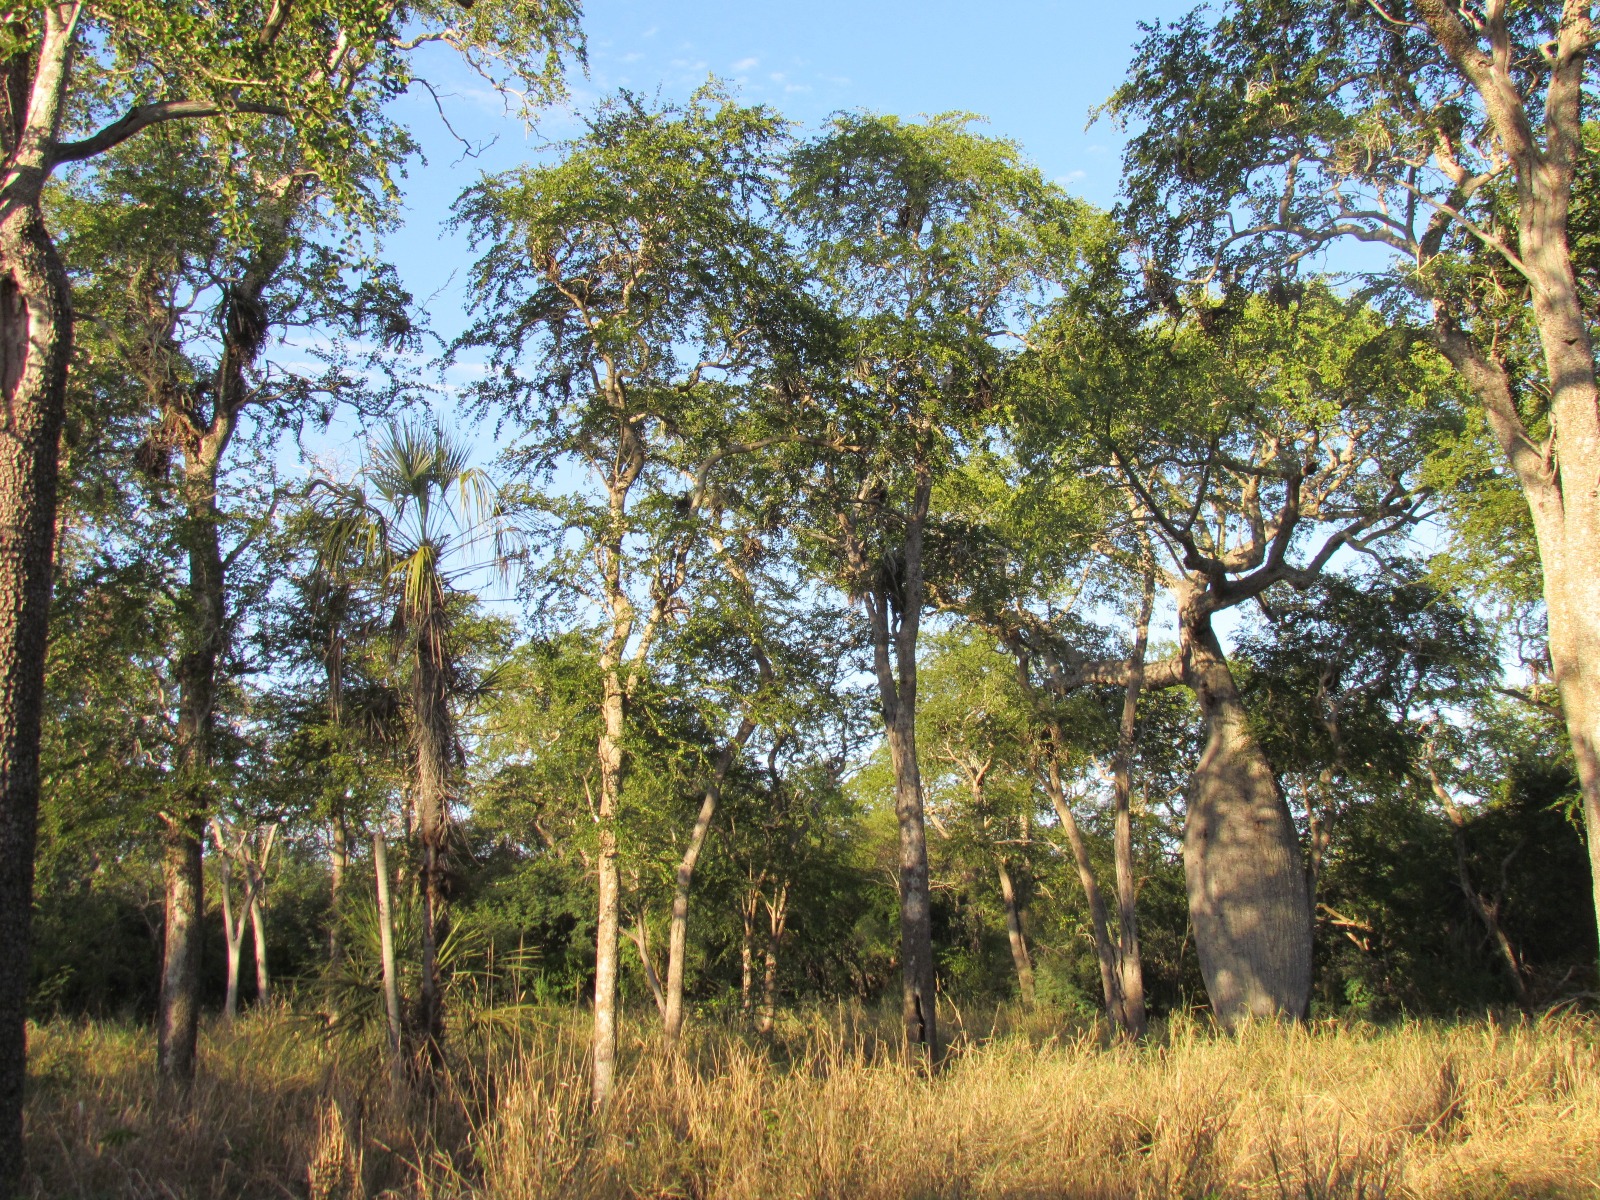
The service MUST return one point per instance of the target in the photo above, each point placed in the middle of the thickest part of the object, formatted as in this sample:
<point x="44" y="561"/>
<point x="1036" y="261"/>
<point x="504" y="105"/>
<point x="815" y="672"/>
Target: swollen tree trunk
<point x="1019" y="946"/>
<point x="1241" y="854"/>
<point x="391" y="980"/>
<point x="1130" y="966"/>
<point x="678" y="933"/>
<point x="1099" y="922"/>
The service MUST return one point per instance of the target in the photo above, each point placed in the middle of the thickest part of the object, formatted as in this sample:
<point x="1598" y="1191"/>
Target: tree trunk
<point x="35" y="347"/>
<point x="197" y="689"/>
<point x="640" y="936"/>
<point x="391" y="980"/>
<point x="233" y="935"/>
<point x="433" y="742"/>
<point x="1019" y="947"/>
<point x="1130" y="965"/>
<point x="777" y="918"/>
<point x="608" y="924"/>
<point x="339" y="864"/>
<point x="747" y="952"/>
<point x="258" y="930"/>
<point x="178" y="1025"/>
<point x="895" y="661"/>
<point x="1241" y="854"/>
<point x="678" y="933"/>
<point x="1099" y="923"/>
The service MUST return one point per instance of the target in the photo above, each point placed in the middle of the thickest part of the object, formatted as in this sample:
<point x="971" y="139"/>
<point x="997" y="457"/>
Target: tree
<point x="930" y="241"/>
<point x="1453" y="136"/>
<point x="1249" y="455"/>
<point x="639" y="280"/>
<point x="411" y="525"/>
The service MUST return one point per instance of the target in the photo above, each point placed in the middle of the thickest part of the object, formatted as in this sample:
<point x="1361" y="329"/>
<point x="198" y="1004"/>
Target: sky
<point x="1033" y="70"/>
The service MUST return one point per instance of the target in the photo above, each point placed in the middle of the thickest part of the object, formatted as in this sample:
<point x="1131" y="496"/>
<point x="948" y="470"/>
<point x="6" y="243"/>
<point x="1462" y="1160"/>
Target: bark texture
<point x="35" y="345"/>
<point x="1241" y="853"/>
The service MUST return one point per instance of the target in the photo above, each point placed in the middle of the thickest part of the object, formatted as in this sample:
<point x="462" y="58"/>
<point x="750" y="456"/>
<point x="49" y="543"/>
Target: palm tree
<point x="411" y="524"/>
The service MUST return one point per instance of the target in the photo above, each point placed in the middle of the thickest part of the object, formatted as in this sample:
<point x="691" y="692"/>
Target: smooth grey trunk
<point x="233" y="935"/>
<point x="1100" y="926"/>
<point x="391" y="980"/>
<point x="1241" y="853"/>
<point x="1019" y="946"/>
<point x="196" y="672"/>
<point x="258" y="930"/>
<point x="639" y="935"/>
<point x="178" y="1020"/>
<point x="1130" y="964"/>
<point x="205" y="432"/>
<point x="777" y="919"/>
<point x="678" y="933"/>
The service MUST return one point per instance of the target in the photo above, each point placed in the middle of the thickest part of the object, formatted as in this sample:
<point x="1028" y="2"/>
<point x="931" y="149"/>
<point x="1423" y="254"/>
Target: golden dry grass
<point x="1417" y="1110"/>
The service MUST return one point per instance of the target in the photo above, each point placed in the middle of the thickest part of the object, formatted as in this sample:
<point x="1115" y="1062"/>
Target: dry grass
<point x="826" y="1110"/>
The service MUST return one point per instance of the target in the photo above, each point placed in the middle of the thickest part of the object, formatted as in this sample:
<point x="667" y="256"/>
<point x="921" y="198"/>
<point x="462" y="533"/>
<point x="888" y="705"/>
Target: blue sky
<point x="1034" y="69"/>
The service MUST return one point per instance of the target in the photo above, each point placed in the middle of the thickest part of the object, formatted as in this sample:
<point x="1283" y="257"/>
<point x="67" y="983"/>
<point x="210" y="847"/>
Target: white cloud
<point x="746" y="64"/>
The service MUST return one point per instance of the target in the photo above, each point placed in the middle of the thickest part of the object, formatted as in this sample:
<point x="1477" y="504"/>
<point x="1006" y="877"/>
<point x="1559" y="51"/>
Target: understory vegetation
<point x="827" y="1105"/>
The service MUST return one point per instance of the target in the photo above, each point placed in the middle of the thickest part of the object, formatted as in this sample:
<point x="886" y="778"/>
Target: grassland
<point x="825" y="1108"/>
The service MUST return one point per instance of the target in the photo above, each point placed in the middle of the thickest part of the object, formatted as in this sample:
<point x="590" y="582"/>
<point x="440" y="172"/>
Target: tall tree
<point x="1250" y="453"/>
<point x="1453" y="136"/>
<point x="930" y="241"/>
<point x="629" y="296"/>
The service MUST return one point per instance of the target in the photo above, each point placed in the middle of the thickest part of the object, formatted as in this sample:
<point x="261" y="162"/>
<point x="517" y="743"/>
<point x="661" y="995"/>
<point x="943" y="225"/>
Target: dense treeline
<point x="852" y="558"/>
